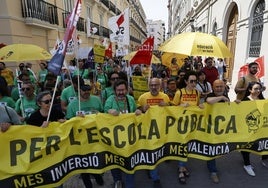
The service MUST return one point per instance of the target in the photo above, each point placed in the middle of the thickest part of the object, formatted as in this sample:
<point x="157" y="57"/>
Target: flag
<point x="144" y="53"/>
<point x="260" y="62"/>
<point x="55" y="47"/>
<point x="109" y="51"/>
<point x="120" y="20"/>
<point x="120" y="28"/>
<point x="244" y="69"/>
<point x="56" y="62"/>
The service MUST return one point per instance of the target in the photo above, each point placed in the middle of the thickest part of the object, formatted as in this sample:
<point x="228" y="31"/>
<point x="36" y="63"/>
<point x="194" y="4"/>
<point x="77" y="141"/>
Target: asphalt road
<point x="230" y="167"/>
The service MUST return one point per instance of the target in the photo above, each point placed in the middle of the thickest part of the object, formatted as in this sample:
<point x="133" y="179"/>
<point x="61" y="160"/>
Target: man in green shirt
<point x="69" y="93"/>
<point x="89" y="104"/>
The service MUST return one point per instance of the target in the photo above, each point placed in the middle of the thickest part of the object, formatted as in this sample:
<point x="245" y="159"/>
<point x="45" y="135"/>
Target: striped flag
<point x="56" y="62"/>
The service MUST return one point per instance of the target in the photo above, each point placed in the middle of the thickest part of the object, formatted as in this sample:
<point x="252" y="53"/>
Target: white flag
<point x="120" y="28"/>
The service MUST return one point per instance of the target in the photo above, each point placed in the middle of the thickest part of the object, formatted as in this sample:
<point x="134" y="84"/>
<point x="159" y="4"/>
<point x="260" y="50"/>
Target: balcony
<point x="39" y="13"/>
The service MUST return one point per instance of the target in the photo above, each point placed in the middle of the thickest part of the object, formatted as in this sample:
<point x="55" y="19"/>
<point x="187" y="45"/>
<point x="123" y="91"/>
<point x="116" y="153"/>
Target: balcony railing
<point x="80" y="24"/>
<point x="40" y="10"/>
<point x="47" y="12"/>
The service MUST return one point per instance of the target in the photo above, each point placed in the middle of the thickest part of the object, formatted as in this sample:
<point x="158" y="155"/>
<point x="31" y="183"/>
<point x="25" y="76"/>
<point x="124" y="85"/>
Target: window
<point x="68" y="5"/>
<point x="256" y="30"/>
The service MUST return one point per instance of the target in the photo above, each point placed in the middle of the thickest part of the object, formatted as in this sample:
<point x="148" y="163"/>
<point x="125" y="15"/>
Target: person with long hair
<point x="253" y="92"/>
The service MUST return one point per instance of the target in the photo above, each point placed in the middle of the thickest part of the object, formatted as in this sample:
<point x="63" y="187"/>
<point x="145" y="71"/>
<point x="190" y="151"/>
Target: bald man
<point x="218" y="94"/>
<point x="150" y="98"/>
<point x="153" y="97"/>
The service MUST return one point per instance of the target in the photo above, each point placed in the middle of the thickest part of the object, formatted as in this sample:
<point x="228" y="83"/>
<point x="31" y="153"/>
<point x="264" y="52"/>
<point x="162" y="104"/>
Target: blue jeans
<point x="154" y="174"/>
<point x="129" y="178"/>
<point x="182" y="164"/>
<point x="211" y="164"/>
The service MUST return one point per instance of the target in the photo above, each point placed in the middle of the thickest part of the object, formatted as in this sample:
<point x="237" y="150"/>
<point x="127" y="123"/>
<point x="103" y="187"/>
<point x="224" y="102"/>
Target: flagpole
<point x="53" y="97"/>
<point x="20" y="94"/>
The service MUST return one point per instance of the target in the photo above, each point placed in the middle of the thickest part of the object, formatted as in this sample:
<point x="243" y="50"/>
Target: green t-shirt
<point x="42" y="75"/>
<point x="102" y="79"/>
<point x="7" y="101"/>
<point x="128" y="106"/>
<point x="29" y="106"/>
<point x="82" y="72"/>
<point x="106" y="93"/>
<point x="68" y="94"/>
<point x="92" y="105"/>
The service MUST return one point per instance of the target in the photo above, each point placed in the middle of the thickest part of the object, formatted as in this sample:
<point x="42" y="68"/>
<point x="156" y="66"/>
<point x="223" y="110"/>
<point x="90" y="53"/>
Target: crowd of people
<point x="107" y="88"/>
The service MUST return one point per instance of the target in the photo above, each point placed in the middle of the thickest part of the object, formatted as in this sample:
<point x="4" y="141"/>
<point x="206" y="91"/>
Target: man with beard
<point x="242" y="83"/>
<point x="121" y="103"/>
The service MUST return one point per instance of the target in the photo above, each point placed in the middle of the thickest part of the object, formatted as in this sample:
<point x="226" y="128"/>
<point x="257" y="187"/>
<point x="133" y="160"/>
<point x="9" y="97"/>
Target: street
<point x="230" y="167"/>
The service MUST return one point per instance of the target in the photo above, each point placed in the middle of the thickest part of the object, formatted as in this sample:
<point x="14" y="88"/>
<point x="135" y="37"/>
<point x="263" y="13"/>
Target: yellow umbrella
<point x="196" y="44"/>
<point x="167" y="57"/>
<point x="129" y="56"/>
<point x="23" y="52"/>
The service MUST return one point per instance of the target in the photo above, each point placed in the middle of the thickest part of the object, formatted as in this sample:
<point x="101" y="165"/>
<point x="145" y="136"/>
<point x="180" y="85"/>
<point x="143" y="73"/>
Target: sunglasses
<point x="115" y="78"/>
<point x="26" y="89"/>
<point x="85" y="88"/>
<point x="47" y="101"/>
<point x="193" y="81"/>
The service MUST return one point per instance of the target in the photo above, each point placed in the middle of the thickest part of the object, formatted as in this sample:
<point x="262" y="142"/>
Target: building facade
<point x="156" y="28"/>
<point x="241" y="24"/>
<point x="42" y="22"/>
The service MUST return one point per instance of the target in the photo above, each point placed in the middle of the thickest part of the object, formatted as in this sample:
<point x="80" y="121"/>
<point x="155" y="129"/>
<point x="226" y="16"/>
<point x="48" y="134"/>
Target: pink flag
<point x="56" y="62"/>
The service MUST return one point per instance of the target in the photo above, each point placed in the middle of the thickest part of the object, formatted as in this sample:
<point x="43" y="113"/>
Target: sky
<point x="156" y="9"/>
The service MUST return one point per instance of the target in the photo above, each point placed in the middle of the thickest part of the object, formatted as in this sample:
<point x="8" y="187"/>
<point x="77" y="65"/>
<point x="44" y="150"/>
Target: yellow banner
<point x="140" y="85"/>
<point x="35" y="157"/>
<point x="99" y="53"/>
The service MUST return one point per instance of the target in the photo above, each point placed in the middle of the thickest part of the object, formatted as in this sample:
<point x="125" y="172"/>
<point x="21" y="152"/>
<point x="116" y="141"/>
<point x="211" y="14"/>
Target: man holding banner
<point x="153" y="97"/>
<point x="121" y="103"/>
<point x="242" y="83"/>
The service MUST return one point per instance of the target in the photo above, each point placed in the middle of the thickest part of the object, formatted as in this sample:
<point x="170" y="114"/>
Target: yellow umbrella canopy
<point x="196" y="44"/>
<point x="129" y="56"/>
<point x="167" y="57"/>
<point x="23" y="52"/>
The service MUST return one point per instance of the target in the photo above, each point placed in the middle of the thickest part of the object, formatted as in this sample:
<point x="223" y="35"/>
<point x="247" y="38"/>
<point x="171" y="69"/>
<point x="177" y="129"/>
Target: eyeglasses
<point x="154" y="85"/>
<point x="47" y="101"/>
<point x="115" y="78"/>
<point x="193" y="81"/>
<point x="25" y="89"/>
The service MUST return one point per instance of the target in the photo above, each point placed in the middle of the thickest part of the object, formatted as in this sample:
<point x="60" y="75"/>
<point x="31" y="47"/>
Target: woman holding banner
<point x="185" y="97"/>
<point x="253" y="92"/>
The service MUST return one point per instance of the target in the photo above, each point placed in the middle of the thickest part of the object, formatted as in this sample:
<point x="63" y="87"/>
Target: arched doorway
<point x="231" y="41"/>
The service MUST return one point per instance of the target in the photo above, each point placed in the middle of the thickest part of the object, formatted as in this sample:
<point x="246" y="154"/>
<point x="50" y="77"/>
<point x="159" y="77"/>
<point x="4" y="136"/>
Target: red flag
<point x="244" y="69"/>
<point x="120" y="20"/>
<point x="109" y="51"/>
<point x="56" y="62"/>
<point x="144" y="53"/>
<point x="260" y="62"/>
